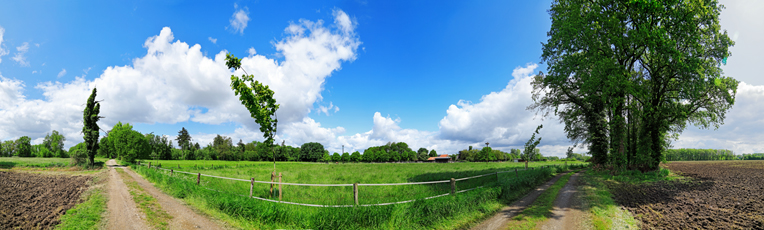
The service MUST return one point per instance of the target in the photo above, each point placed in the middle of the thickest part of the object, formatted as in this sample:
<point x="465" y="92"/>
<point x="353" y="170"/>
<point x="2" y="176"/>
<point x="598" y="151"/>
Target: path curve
<point x="123" y="214"/>
<point x="501" y="219"/>
<point x="567" y="208"/>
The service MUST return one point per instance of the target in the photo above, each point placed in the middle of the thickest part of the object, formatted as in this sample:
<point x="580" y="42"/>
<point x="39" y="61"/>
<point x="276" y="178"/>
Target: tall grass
<point x="446" y="212"/>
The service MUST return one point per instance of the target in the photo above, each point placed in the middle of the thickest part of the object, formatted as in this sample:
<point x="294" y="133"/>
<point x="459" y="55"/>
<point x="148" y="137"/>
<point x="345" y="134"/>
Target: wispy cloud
<point x="20" y="51"/>
<point x="3" y="51"/>
<point x="239" y="19"/>
<point x="61" y="74"/>
<point x="213" y="40"/>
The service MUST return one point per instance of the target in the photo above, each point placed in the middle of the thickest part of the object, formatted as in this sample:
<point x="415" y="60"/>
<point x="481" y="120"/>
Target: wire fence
<point x="452" y="181"/>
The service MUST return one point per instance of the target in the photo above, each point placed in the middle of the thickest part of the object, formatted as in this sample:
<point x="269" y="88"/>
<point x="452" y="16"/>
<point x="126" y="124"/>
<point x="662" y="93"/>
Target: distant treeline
<point x="699" y="155"/>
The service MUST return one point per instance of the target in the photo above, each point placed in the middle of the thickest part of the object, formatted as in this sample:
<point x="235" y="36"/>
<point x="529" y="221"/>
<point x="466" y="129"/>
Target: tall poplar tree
<point x="90" y="129"/>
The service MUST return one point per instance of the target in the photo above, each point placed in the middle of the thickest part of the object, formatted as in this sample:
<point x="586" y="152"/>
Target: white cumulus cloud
<point x="175" y="82"/>
<point x="741" y="131"/>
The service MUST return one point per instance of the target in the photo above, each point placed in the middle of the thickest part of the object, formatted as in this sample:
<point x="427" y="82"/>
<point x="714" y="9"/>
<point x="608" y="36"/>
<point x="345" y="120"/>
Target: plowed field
<point x="31" y="201"/>
<point x="719" y="195"/>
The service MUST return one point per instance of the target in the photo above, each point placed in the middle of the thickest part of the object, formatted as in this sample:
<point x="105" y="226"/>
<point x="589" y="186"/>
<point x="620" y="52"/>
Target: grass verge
<point x="155" y="216"/>
<point x="448" y="212"/>
<point x="90" y="213"/>
<point x="541" y="208"/>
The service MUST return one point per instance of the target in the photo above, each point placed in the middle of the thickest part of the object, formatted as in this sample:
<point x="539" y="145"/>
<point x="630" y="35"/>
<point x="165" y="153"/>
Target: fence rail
<point x="452" y="181"/>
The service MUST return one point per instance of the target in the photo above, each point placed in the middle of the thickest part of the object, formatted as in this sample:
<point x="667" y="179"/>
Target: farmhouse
<point x="440" y="159"/>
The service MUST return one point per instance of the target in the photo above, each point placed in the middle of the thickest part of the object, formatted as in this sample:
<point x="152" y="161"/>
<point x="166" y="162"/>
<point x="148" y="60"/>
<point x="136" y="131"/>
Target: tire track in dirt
<point x="567" y="208"/>
<point x="500" y="220"/>
<point x="123" y="214"/>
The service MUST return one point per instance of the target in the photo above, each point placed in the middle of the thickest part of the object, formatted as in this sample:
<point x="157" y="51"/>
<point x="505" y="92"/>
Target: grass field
<point x="448" y="212"/>
<point x="312" y="173"/>
<point x="10" y="162"/>
<point x="39" y="162"/>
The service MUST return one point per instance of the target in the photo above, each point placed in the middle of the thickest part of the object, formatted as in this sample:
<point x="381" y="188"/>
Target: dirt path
<point x="182" y="216"/>
<point x="123" y="214"/>
<point x="567" y="208"/>
<point x="500" y="220"/>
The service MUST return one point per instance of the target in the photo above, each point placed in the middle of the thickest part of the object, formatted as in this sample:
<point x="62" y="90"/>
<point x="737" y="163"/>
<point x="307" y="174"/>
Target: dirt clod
<point x="31" y="201"/>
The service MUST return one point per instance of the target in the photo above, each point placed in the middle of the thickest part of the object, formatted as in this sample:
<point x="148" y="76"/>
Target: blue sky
<point x="442" y="75"/>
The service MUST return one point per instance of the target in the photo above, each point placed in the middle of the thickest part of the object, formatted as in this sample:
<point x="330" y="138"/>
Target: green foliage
<point x="23" y="147"/>
<point x="129" y="144"/>
<point x="752" y="156"/>
<point x="433" y="153"/>
<point x="183" y="139"/>
<point x="311" y="151"/>
<point x="79" y="154"/>
<point x="106" y="148"/>
<point x="8" y="148"/>
<point x="90" y="130"/>
<point x="345" y="157"/>
<point x="422" y="154"/>
<point x="326" y="157"/>
<point x="355" y="157"/>
<point x="699" y="155"/>
<point x="627" y="76"/>
<point x="55" y="143"/>
<point x="223" y="147"/>
<point x="336" y="157"/>
<point x="530" y="146"/>
<point x="258" y="99"/>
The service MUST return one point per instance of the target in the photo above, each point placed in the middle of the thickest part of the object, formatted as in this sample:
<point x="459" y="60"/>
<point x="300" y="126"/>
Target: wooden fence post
<point x="251" y="186"/>
<point x="453" y="186"/>
<point x="171" y="172"/>
<point x="279" y="186"/>
<point x="198" y="177"/>
<point x="355" y="193"/>
<point x="178" y="166"/>
<point x="149" y="164"/>
<point x="515" y="172"/>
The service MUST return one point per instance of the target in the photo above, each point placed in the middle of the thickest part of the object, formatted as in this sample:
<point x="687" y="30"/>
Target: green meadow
<point x="228" y="199"/>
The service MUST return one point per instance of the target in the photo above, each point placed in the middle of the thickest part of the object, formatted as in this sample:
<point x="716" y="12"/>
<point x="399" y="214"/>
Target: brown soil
<point x="32" y="201"/>
<point x="719" y="195"/>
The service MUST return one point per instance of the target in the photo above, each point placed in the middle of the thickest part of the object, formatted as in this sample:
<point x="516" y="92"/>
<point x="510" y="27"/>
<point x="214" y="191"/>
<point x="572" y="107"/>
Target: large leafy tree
<point x="623" y="75"/>
<point x="258" y="99"/>
<point x="311" y="151"/>
<point x="55" y="143"/>
<point x="129" y="144"/>
<point x="90" y="129"/>
<point x="23" y="147"/>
